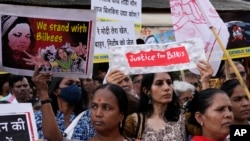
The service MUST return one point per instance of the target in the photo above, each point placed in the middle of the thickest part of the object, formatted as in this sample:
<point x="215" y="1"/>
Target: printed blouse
<point x="82" y="131"/>
<point x="172" y="131"/>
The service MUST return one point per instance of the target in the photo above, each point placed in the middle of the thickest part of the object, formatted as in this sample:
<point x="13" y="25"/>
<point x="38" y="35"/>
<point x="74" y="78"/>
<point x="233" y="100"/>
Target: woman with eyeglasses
<point x="184" y="91"/>
<point x="231" y="73"/>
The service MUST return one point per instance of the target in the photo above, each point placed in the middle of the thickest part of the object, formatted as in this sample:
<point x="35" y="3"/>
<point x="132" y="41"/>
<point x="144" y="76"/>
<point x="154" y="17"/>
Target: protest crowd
<point x="155" y="106"/>
<point x="112" y="105"/>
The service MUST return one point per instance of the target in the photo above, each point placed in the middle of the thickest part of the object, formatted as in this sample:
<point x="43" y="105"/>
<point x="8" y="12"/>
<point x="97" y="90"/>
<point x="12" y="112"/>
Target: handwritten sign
<point x="16" y="123"/>
<point x="112" y="34"/>
<point x="62" y="43"/>
<point x="118" y="10"/>
<point x="141" y="59"/>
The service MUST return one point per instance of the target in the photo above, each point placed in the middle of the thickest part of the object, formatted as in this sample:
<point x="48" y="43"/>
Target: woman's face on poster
<point x="151" y="40"/>
<point x="19" y="37"/>
<point x="62" y="54"/>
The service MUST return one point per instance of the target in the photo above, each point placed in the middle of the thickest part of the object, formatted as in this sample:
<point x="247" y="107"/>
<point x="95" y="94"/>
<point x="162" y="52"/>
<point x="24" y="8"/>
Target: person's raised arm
<point x="49" y="124"/>
<point x="206" y="72"/>
<point x="115" y="76"/>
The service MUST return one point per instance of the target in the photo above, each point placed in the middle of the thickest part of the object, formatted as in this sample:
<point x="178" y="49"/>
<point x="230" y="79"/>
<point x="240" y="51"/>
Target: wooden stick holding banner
<point x="229" y="59"/>
<point x="226" y="69"/>
<point x="183" y="75"/>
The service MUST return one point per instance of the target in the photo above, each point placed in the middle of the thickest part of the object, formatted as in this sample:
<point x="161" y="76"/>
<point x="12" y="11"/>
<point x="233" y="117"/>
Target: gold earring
<point x="201" y="123"/>
<point x="120" y="124"/>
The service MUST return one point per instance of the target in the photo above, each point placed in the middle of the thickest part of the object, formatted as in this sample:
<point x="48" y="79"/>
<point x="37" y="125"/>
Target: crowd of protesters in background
<point x="114" y="106"/>
<point x="157" y="106"/>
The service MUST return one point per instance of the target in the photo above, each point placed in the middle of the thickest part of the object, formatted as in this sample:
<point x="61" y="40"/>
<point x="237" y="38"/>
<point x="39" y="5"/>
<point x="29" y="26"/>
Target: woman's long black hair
<point x="173" y="109"/>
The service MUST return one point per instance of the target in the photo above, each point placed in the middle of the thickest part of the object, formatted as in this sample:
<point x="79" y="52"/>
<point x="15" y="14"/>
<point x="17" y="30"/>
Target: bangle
<point x="46" y="101"/>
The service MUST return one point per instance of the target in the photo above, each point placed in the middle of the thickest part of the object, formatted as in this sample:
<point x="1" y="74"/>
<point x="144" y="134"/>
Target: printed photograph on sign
<point x="238" y="46"/>
<point x="239" y="34"/>
<point x="160" y="38"/>
<point x="165" y="36"/>
<point x="60" y="46"/>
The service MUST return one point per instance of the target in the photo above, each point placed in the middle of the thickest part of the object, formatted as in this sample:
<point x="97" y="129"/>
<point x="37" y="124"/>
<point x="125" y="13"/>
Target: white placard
<point x="140" y="59"/>
<point x="17" y="122"/>
<point x="118" y="10"/>
<point x="112" y="34"/>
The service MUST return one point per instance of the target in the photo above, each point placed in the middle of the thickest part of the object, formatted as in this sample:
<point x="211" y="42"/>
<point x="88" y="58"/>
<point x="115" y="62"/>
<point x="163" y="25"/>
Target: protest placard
<point x="118" y="10"/>
<point x="140" y="59"/>
<point x="112" y="34"/>
<point x="17" y="122"/>
<point x="60" y="39"/>
<point x="238" y="53"/>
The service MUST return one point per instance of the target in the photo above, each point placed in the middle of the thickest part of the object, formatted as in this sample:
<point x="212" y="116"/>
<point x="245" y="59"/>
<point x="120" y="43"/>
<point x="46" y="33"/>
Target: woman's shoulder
<point x="130" y="125"/>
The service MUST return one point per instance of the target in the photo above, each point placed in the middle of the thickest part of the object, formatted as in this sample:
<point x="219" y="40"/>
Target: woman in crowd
<point x="136" y="79"/>
<point x="89" y="86"/>
<point x="211" y="113"/>
<point x="17" y="37"/>
<point x="184" y="91"/>
<point x="63" y="99"/>
<point x="159" y="117"/>
<point x="119" y="78"/>
<point x="239" y="99"/>
<point x="108" y="113"/>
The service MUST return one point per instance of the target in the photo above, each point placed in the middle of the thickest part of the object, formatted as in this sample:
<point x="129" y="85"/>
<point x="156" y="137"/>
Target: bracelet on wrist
<point x="45" y="101"/>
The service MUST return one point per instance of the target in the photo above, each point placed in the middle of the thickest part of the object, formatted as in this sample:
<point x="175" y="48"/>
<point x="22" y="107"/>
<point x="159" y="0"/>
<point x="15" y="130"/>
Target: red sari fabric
<point x="201" y="138"/>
